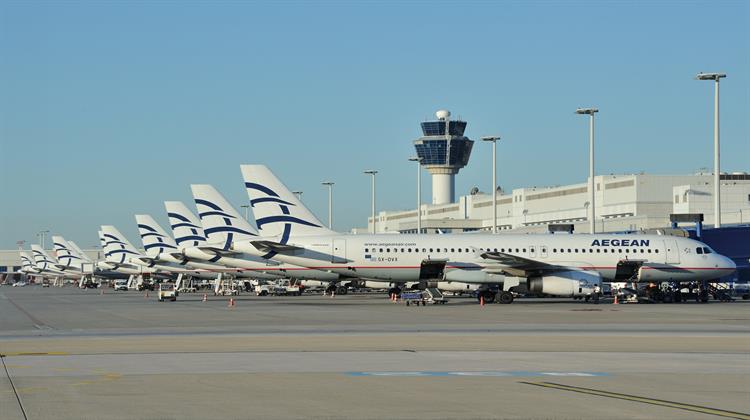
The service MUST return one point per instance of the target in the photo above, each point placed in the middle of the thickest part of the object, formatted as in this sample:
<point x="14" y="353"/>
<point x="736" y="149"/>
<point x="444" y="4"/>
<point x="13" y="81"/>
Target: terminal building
<point x="623" y="203"/>
<point x="630" y="202"/>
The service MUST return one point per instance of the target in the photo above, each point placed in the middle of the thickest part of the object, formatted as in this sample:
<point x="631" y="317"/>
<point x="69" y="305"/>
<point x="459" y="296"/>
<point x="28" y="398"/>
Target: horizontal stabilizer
<point x="268" y="246"/>
<point x="217" y="250"/>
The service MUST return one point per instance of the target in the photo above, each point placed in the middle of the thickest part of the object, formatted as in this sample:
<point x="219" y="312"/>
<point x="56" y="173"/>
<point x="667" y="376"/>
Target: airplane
<point x="28" y="266"/>
<point x="553" y="264"/>
<point x="193" y="245"/>
<point x="48" y="266"/>
<point x="223" y="225"/>
<point x="119" y="250"/>
<point x="76" y="261"/>
<point x="162" y="248"/>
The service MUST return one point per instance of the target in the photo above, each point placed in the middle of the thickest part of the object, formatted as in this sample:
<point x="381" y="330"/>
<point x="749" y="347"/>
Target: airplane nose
<point x="729" y="264"/>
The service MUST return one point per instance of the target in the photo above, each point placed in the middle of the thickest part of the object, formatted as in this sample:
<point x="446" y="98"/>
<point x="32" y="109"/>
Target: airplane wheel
<point x="506" y="297"/>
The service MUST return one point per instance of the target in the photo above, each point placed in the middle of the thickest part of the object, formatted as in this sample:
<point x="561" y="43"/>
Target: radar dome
<point x="443" y="114"/>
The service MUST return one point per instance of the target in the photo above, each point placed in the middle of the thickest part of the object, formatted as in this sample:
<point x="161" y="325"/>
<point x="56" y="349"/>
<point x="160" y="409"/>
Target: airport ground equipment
<point x="167" y="291"/>
<point x="430" y="295"/>
<point x="278" y="288"/>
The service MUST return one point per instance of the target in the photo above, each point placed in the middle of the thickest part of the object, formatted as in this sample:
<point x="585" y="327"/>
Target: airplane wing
<point x="517" y="266"/>
<point x="268" y="246"/>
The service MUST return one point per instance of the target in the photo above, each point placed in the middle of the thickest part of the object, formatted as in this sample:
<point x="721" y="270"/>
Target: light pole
<point x="494" y="140"/>
<point x="298" y="194"/>
<point x="330" y="202"/>
<point x="247" y="214"/>
<point x="717" y="170"/>
<point x="419" y="191"/>
<point x="373" y="173"/>
<point x="41" y="236"/>
<point x="592" y="207"/>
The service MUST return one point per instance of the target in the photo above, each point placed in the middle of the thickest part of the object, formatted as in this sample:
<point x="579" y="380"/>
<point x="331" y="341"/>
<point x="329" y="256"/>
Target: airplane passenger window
<point x="424" y="249"/>
<point x="453" y="249"/>
<point x="402" y="249"/>
<point x="656" y="250"/>
<point x="496" y="250"/>
<point x="576" y="250"/>
<point x="367" y="250"/>
<point x="554" y="249"/>
<point x="598" y="250"/>
<point x="467" y="250"/>
<point x="524" y="250"/>
<point x="569" y="251"/>
<point x="430" y="249"/>
<point x="516" y="249"/>
<point x="445" y="250"/>
<point x="649" y="250"/>
<point x="627" y="251"/>
<point x="381" y="249"/>
<point x="707" y="250"/>
<point x="387" y="250"/>
<point x="699" y="250"/>
<point x="459" y="249"/>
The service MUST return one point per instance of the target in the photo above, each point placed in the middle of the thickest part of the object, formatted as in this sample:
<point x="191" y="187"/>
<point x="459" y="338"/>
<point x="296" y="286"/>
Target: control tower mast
<point x="444" y="150"/>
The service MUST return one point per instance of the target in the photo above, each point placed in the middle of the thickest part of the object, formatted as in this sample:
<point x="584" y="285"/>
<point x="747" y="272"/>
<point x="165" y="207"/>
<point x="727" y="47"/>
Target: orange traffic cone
<point x="205" y="297"/>
<point x="481" y="300"/>
<point x="231" y="303"/>
<point x="616" y="302"/>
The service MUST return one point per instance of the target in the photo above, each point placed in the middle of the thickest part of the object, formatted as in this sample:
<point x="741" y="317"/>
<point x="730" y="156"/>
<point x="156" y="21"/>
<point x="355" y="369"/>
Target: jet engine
<point x="565" y="283"/>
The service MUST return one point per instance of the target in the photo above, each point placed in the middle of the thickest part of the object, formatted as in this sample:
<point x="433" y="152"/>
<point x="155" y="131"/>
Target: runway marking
<point x="644" y="400"/>
<point x="37" y="323"/>
<point x="50" y="353"/>
<point x="488" y="373"/>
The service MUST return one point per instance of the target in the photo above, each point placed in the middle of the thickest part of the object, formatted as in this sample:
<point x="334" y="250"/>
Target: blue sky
<point x="109" y="108"/>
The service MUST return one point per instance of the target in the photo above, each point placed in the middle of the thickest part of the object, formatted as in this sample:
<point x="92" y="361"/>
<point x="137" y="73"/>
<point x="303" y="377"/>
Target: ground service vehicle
<point x="167" y="292"/>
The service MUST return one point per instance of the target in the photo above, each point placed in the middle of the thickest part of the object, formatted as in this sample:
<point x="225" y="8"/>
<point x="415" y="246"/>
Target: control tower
<point x="443" y="150"/>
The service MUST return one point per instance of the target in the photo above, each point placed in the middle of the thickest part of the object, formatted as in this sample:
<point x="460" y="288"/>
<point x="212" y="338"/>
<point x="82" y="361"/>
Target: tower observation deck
<point x="443" y="150"/>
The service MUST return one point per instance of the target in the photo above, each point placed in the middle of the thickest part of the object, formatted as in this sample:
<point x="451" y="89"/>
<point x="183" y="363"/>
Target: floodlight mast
<point x="717" y="167"/>
<point x="592" y="207"/>
<point x="494" y="140"/>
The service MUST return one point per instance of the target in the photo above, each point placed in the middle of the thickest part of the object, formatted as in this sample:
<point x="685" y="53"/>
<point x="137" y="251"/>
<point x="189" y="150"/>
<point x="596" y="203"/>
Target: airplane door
<point x="532" y="251"/>
<point x="543" y="251"/>
<point x="338" y="251"/>
<point x="672" y="251"/>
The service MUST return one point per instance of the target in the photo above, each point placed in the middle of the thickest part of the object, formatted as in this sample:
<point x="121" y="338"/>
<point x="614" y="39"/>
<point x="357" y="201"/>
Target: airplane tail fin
<point x="186" y="227"/>
<point x="27" y="262"/>
<point x="79" y="251"/>
<point x="278" y="212"/>
<point x="155" y="239"/>
<point x="116" y="246"/>
<point x="66" y="255"/>
<point x="221" y="222"/>
<point x="42" y="259"/>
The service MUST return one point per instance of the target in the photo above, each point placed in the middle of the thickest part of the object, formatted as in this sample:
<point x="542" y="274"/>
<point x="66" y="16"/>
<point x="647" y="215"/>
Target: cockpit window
<point x="699" y="250"/>
<point x="706" y="250"/>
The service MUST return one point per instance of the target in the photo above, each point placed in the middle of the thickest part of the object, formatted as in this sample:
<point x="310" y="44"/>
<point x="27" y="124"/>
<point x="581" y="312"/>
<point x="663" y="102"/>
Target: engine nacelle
<point x="472" y="276"/>
<point x="565" y="283"/>
<point x="456" y="286"/>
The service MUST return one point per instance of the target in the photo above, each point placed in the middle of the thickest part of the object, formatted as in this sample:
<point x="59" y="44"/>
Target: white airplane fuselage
<point x="399" y="257"/>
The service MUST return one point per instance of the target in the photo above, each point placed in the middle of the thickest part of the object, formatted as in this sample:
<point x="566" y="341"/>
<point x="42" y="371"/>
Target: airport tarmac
<point x="73" y="354"/>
